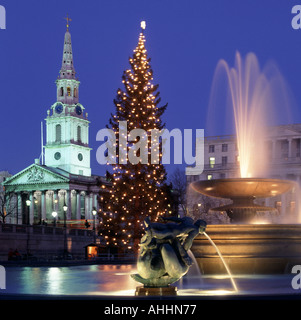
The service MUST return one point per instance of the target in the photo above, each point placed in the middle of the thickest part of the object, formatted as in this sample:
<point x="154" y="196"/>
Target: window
<point x="58" y="133"/>
<point x="68" y="91"/>
<point x="79" y="134"/>
<point x="57" y="156"/>
<point x="224" y="161"/>
<point x="212" y="162"/>
<point x="62" y="92"/>
<point x="209" y="177"/>
<point x="211" y="148"/>
<point x="224" y="147"/>
<point x="75" y="93"/>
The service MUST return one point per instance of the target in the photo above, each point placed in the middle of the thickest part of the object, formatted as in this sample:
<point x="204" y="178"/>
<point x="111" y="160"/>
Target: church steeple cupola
<point x="67" y="125"/>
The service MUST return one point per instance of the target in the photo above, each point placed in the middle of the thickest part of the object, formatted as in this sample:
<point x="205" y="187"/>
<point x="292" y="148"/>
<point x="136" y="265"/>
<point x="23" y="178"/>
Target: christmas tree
<point x="138" y="190"/>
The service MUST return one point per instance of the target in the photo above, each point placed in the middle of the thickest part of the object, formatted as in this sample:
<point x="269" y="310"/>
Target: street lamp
<point x="94" y="211"/>
<point x="54" y="215"/>
<point x="65" y="208"/>
<point x="28" y="203"/>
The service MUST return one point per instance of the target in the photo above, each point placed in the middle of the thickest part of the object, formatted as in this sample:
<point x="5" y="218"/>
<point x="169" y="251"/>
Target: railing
<point x="21" y="228"/>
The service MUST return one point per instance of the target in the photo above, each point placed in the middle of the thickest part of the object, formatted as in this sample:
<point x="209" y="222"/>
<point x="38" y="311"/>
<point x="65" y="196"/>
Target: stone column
<point x="91" y="205"/>
<point x="73" y="204"/>
<point x="289" y="148"/>
<point x="69" y="205"/>
<point x="31" y="208"/>
<point x="43" y="205"/>
<point x="78" y="206"/>
<point x="15" y="208"/>
<point x="87" y="204"/>
<point x="274" y="143"/>
<point x="19" y="208"/>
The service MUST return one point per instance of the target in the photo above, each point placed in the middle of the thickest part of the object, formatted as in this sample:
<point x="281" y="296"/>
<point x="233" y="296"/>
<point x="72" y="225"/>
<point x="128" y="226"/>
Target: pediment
<point x="35" y="174"/>
<point x="285" y="131"/>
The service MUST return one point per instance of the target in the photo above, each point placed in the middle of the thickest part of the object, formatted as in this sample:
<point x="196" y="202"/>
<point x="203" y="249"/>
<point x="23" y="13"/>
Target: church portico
<point x="49" y="192"/>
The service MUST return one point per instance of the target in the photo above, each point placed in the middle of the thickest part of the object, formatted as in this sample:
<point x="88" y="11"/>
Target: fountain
<point x="249" y="248"/>
<point x="164" y="254"/>
<point x="242" y="191"/>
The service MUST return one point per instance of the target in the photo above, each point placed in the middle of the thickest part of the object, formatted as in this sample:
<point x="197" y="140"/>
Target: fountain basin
<point x="242" y="191"/>
<point x="249" y="249"/>
<point x="243" y="187"/>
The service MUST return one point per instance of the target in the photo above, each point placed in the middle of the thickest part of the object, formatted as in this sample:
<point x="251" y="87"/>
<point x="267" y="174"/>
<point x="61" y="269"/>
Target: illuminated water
<point x="115" y="280"/>
<point x="224" y="262"/>
<point x="255" y="97"/>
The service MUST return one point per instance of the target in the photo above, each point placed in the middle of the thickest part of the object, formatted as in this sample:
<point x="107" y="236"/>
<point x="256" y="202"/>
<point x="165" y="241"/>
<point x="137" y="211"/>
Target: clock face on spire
<point x="59" y="108"/>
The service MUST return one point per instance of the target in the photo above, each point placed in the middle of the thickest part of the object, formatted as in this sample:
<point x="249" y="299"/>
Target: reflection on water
<point x="76" y="280"/>
<point x="115" y="280"/>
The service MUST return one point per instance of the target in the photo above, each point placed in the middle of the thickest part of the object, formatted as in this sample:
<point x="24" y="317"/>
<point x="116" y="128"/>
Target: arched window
<point x="79" y="134"/>
<point x="75" y="92"/>
<point x="62" y="92"/>
<point x="58" y="133"/>
<point x="68" y="91"/>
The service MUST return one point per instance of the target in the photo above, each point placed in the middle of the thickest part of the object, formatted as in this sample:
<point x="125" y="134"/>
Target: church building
<point x="64" y="178"/>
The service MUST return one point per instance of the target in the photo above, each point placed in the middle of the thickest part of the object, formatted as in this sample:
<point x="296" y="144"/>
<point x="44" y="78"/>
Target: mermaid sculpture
<point x="163" y="257"/>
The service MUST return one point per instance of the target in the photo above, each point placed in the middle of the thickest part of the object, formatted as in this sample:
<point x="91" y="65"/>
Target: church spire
<point x="67" y="83"/>
<point x="67" y="71"/>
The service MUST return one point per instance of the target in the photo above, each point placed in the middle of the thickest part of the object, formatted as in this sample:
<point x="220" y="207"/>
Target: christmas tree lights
<point x="138" y="190"/>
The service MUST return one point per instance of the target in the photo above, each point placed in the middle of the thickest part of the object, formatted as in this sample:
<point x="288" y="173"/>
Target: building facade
<point x="283" y="161"/>
<point x="64" y="178"/>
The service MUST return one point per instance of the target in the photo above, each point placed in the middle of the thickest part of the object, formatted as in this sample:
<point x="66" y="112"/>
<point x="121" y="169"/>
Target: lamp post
<point x="54" y="215"/>
<point x="65" y="208"/>
<point x="94" y="211"/>
<point x="28" y="203"/>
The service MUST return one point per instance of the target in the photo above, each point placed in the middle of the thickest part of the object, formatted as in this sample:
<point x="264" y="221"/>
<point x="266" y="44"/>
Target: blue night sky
<point x="185" y="40"/>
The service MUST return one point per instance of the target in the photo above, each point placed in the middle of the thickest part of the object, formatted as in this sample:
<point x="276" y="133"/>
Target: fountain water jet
<point x="251" y="92"/>
<point x="224" y="262"/>
<point x="247" y="248"/>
